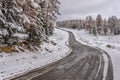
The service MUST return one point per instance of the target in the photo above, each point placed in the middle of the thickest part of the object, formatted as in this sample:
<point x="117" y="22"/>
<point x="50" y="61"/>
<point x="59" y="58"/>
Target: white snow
<point x="4" y="32"/>
<point x="105" y="57"/>
<point x="16" y="63"/>
<point x="35" y="5"/>
<point x="25" y="18"/>
<point x="21" y="36"/>
<point x="98" y="68"/>
<point x="101" y="42"/>
<point x="0" y="12"/>
<point x="15" y="26"/>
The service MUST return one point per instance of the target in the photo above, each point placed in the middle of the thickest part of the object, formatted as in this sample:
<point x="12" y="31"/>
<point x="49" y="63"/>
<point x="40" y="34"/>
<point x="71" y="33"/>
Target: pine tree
<point x="105" y="27"/>
<point x="99" y="24"/>
<point x="33" y="18"/>
<point x="112" y="23"/>
<point x="50" y="10"/>
<point x="89" y="23"/>
<point x="9" y="24"/>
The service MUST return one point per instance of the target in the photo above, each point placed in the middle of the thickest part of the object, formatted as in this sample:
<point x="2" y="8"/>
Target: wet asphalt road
<point x="83" y="63"/>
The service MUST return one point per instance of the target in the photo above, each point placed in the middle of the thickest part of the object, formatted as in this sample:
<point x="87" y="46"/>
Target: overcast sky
<point x="76" y="9"/>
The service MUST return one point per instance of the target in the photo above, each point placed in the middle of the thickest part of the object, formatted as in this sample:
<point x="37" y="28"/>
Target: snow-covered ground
<point x="102" y="42"/>
<point x="16" y="63"/>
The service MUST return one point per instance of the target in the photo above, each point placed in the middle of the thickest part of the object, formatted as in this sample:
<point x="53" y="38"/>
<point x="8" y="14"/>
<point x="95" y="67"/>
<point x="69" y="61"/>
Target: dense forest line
<point x="110" y="26"/>
<point x="26" y="23"/>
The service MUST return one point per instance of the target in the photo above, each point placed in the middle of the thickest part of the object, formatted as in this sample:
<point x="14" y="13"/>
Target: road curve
<point x="83" y="63"/>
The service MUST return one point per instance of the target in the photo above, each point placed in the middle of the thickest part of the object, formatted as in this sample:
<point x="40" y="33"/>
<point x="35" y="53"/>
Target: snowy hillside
<point x="16" y="63"/>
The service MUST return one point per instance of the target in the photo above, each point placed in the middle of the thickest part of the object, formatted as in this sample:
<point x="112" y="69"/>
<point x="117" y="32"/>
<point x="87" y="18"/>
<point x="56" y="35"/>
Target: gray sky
<point x="77" y="9"/>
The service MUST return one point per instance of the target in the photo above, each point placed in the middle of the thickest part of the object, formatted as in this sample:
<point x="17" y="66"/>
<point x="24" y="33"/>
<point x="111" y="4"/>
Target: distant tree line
<point x="30" y="19"/>
<point x="110" y="26"/>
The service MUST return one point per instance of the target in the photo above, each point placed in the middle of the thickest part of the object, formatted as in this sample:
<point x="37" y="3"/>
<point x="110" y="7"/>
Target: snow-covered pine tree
<point x="99" y="24"/>
<point x="26" y="18"/>
<point x="112" y="23"/>
<point x="105" y="30"/>
<point x="9" y="23"/>
<point x="32" y="24"/>
<point x="50" y="10"/>
<point x="89" y="24"/>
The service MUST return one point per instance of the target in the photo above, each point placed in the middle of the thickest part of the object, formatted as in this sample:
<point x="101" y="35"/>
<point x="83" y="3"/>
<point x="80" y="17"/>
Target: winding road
<point x="83" y="63"/>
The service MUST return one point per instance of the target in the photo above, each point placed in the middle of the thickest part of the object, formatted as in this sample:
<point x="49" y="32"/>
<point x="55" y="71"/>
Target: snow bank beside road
<point x="101" y="42"/>
<point x="16" y="63"/>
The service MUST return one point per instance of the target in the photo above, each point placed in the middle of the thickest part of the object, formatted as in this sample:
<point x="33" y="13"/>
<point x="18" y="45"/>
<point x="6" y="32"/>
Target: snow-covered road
<point x="83" y="63"/>
<point x="101" y="42"/>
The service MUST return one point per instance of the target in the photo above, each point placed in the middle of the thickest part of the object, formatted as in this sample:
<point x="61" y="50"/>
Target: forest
<point x="97" y="26"/>
<point x="25" y="24"/>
